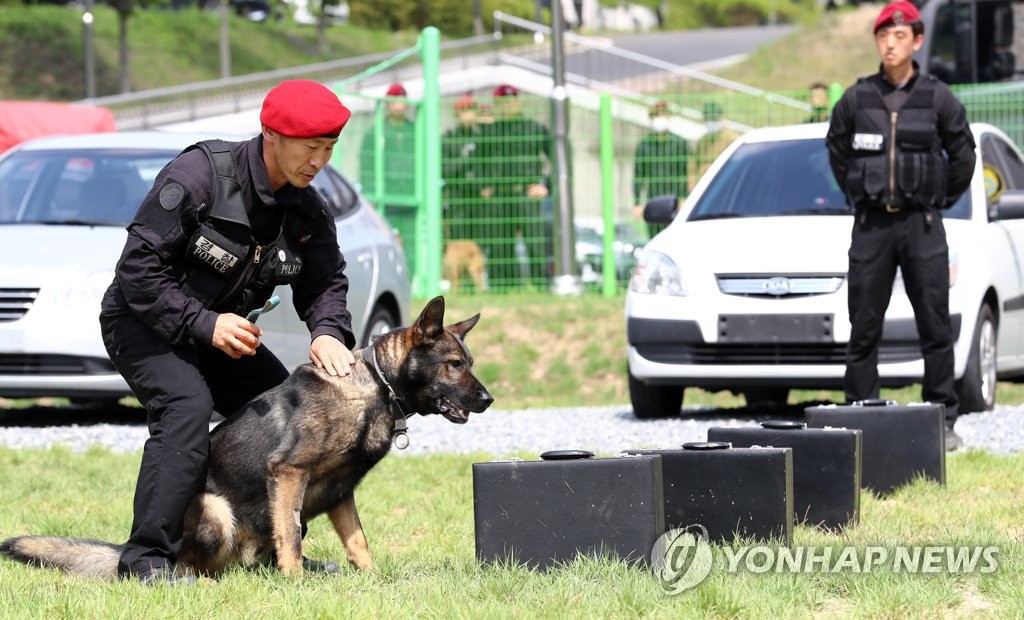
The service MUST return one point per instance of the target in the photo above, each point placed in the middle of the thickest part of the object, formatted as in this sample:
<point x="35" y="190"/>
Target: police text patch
<point x="213" y="255"/>
<point x="867" y="142"/>
<point x="171" y="196"/>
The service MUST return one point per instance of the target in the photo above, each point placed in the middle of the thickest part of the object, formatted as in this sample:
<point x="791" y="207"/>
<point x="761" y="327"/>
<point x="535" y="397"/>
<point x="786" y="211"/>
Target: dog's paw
<point x="292" y="569"/>
<point x="362" y="562"/>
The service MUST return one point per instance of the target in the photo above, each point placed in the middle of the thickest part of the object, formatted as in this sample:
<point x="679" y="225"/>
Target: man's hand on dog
<point x="330" y="354"/>
<point x="236" y="336"/>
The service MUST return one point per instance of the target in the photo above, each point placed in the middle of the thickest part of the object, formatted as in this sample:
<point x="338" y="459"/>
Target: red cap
<point x="658" y="107"/>
<point x="465" y="102"/>
<point x="395" y="90"/>
<point x="897" y="14"/>
<point x="304" y="109"/>
<point x="506" y="90"/>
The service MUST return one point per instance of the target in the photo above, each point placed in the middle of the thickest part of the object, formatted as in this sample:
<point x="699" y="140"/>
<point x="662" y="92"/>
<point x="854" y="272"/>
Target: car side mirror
<point x="1010" y="206"/>
<point x="661" y="209"/>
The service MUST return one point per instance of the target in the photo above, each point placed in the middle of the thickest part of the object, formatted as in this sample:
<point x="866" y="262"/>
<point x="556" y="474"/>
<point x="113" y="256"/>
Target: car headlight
<point x="86" y="291"/>
<point x="954" y="270"/>
<point x="656" y="274"/>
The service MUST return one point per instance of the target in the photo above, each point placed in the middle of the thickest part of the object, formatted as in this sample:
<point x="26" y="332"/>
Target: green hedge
<point x="453" y="17"/>
<point x="686" y="14"/>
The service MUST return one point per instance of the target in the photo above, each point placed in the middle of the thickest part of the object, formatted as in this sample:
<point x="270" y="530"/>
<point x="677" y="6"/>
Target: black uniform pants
<point x="915" y="241"/>
<point x="180" y="387"/>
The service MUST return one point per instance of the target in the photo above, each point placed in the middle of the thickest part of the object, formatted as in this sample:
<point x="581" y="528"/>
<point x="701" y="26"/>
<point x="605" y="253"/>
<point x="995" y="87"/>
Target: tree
<point x="124" y="9"/>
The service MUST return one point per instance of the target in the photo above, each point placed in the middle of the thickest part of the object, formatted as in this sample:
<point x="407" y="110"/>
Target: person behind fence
<point x="395" y="190"/>
<point x="516" y="153"/>
<point x="173" y="319"/>
<point x="660" y="163"/>
<point x="818" y="99"/>
<point x="901" y="150"/>
<point x="716" y="138"/>
<point x="460" y="167"/>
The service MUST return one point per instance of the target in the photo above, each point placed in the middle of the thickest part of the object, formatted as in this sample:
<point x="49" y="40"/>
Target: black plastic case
<point x="544" y="513"/>
<point x="728" y="491"/>
<point x="900" y="441"/>
<point x="826" y="467"/>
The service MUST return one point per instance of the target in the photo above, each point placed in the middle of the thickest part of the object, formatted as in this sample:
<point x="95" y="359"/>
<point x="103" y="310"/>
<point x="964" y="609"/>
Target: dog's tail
<point x="78" y="556"/>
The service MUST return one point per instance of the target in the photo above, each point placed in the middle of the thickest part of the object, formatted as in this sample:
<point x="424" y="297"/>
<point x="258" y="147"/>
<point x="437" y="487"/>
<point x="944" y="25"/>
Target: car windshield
<point x="101" y="187"/>
<point x="789" y="177"/>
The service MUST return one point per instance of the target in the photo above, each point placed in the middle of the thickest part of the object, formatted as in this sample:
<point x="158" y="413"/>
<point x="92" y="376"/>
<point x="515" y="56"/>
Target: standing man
<point x="203" y="251"/>
<point x="660" y="164"/>
<point x="819" y="103"/>
<point x="517" y="154"/>
<point x="460" y="167"/>
<point x="889" y="140"/>
<point x="717" y="138"/>
<point x="397" y="147"/>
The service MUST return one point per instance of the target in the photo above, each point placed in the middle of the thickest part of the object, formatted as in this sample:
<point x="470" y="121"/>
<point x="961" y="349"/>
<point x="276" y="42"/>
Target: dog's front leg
<point x="287" y="486"/>
<point x="350" y="530"/>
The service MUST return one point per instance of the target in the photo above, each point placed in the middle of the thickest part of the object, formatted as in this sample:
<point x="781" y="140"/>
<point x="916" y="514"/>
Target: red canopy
<point x="21" y="120"/>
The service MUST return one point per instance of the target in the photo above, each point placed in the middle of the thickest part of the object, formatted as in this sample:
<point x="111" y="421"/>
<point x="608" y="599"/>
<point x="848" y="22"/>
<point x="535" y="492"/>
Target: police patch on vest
<point x="867" y="141"/>
<point x="213" y="255"/>
<point x="171" y="196"/>
<point x="286" y="268"/>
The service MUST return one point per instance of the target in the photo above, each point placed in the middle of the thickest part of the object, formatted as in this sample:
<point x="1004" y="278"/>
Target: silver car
<point x="64" y="205"/>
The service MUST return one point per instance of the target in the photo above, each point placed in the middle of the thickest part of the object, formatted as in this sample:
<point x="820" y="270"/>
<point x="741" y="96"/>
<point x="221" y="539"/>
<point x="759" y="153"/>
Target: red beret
<point x="897" y="14"/>
<point x="506" y="90"/>
<point x="465" y="102"/>
<point x="658" y="107"/>
<point x="304" y="109"/>
<point x="395" y="90"/>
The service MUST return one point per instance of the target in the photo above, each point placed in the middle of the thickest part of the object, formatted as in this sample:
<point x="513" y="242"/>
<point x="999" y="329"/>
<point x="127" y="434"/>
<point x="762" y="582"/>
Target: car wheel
<point x="766" y="396"/>
<point x="977" y="388"/>
<point x="654" y="401"/>
<point x="381" y="322"/>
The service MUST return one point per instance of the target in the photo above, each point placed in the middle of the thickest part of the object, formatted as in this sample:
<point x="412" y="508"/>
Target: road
<point x="699" y="47"/>
<point x="696" y="49"/>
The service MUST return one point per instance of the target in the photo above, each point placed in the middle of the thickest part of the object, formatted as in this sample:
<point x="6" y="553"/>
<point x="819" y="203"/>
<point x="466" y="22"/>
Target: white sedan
<point x="746" y="289"/>
<point x="64" y="205"/>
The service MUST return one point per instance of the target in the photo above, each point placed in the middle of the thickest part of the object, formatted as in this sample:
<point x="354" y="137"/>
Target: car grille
<point x="774" y="286"/>
<point x="769" y="354"/>
<point x="15" y="302"/>
<point x="36" y="364"/>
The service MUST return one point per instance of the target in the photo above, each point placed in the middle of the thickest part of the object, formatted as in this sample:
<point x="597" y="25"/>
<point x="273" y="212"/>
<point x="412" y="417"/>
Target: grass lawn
<point x="418" y="516"/>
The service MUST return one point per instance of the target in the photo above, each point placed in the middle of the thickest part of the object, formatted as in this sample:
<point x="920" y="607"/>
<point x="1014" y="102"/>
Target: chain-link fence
<point x="633" y="134"/>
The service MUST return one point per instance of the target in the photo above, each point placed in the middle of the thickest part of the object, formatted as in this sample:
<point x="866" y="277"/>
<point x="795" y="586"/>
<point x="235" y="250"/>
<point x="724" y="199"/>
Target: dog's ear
<point x="460" y="328"/>
<point x="431" y="321"/>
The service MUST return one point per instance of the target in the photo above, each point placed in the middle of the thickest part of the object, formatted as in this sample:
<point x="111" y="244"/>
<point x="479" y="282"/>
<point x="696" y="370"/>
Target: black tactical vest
<point x="228" y="271"/>
<point x="896" y="157"/>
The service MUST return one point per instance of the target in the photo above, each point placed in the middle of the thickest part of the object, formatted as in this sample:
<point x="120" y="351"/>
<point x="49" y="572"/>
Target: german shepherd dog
<point x="298" y="451"/>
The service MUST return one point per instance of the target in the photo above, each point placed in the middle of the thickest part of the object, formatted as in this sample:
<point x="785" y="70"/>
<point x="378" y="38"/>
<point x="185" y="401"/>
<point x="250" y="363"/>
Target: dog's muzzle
<point x="452" y="413"/>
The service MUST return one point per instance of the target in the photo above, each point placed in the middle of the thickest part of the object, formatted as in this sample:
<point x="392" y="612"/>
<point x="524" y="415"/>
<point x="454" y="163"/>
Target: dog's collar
<point x="399" y="436"/>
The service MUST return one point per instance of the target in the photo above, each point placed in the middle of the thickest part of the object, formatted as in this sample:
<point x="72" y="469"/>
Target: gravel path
<point x="498" y="433"/>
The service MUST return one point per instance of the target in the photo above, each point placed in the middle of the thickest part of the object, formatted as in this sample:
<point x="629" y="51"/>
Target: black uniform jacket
<point x="877" y="162"/>
<point x="157" y="266"/>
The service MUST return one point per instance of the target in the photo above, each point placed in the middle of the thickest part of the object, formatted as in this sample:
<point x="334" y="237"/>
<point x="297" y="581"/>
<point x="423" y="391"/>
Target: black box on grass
<point x="548" y="512"/>
<point x="826" y="467"/>
<point x="728" y="491"/>
<point x="900" y="441"/>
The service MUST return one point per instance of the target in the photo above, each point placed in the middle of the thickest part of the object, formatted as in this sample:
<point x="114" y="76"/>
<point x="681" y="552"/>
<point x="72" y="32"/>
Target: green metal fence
<point x="467" y="179"/>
